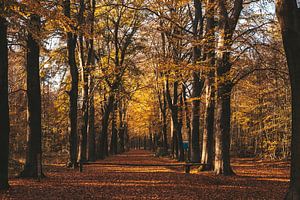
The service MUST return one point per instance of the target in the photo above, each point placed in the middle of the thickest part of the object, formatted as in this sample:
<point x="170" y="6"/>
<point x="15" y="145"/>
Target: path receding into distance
<point x="254" y="180"/>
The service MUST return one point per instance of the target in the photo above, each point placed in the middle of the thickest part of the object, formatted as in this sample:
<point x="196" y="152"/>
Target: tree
<point x="174" y="108"/>
<point x="33" y="163"/>
<point x="209" y="51"/>
<point x="114" y="131"/>
<point x="197" y="84"/>
<point x="122" y="124"/>
<point x="289" y="17"/>
<point x="91" y="143"/>
<point x="226" y="27"/>
<point x="4" y="109"/>
<point x="73" y="93"/>
<point x="161" y="96"/>
<point x="122" y="24"/>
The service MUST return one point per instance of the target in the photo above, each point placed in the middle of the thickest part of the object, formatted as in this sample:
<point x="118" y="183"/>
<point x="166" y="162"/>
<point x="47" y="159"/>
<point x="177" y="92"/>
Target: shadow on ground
<point x="254" y="180"/>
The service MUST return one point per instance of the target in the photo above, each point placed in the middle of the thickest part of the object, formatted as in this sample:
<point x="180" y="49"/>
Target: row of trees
<point x="99" y="71"/>
<point x="199" y="84"/>
<point x="92" y="58"/>
<point x="199" y="63"/>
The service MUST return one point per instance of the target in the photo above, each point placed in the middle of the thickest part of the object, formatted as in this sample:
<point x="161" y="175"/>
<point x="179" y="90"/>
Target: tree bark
<point x="122" y="123"/>
<point x="227" y="25"/>
<point x="223" y="115"/>
<point x="187" y="121"/>
<point x="222" y="135"/>
<point x="177" y="128"/>
<point x="114" y="134"/>
<point x="163" y="118"/>
<point x="289" y="17"/>
<point x="209" y="53"/>
<point x="91" y="143"/>
<point x="164" y="123"/>
<point x="33" y="163"/>
<point x="151" y="141"/>
<point x="73" y="93"/>
<point x="82" y="151"/>
<point x="195" y="127"/>
<point x="197" y="85"/>
<point x="4" y="107"/>
<point x="163" y="102"/>
<point x="208" y="133"/>
<point x="105" y="123"/>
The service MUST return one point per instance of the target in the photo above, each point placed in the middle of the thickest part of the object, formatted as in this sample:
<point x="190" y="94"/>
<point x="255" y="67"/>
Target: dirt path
<point x="254" y="180"/>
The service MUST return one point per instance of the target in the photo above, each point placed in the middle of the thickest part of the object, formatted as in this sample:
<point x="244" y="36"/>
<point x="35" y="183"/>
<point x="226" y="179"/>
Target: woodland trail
<point x="254" y="180"/>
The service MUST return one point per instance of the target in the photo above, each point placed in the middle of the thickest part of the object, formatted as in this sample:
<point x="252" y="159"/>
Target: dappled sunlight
<point x="274" y="179"/>
<point x="132" y="169"/>
<point x="157" y="99"/>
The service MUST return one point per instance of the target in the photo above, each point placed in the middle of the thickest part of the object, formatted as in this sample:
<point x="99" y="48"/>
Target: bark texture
<point x="105" y="123"/>
<point x="197" y="85"/>
<point x="177" y="126"/>
<point x="226" y="25"/>
<point x="91" y="141"/>
<point x="73" y="93"/>
<point x="114" y="132"/>
<point x="209" y="51"/>
<point x="33" y="163"/>
<point x="289" y="18"/>
<point x="85" y="90"/>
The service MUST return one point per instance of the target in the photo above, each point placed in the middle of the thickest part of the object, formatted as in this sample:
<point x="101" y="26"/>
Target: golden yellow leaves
<point x="141" y="111"/>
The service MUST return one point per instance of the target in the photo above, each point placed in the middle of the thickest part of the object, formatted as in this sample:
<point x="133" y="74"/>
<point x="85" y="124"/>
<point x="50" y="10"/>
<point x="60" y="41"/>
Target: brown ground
<point x="254" y="180"/>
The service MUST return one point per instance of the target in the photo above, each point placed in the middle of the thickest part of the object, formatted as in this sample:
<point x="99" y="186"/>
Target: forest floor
<point x="254" y="180"/>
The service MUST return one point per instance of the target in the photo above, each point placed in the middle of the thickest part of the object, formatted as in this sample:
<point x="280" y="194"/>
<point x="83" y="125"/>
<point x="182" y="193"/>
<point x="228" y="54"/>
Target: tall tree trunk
<point x="151" y="140"/>
<point x="164" y="123"/>
<point x="82" y="152"/>
<point x="73" y="93"/>
<point x="105" y="123"/>
<point x="195" y="127"/>
<point x="177" y="128"/>
<point x="175" y="152"/>
<point x="197" y="85"/>
<point x="289" y="17"/>
<point x="187" y="121"/>
<point x="163" y="118"/>
<point x="122" y="114"/>
<point x="114" y="134"/>
<point x="227" y="25"/>
<point x="122" y="138"/>
<point x="126" y="137"/>
<point x="209" y="51"/>
<point x="99" y="135"/>
<point x="223" y="109"/>
<point x="208" y="133"/>
<point x="4" y="108"/>
<point x="223" y="114"/>
<point x="91" y="143"/>
<point x="222" y="138"/>
<point x="163" y="103"/>
<point x="33" y="163"/>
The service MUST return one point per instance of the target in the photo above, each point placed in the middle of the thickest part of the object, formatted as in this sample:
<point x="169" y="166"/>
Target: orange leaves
<point x="256" y="180"/>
